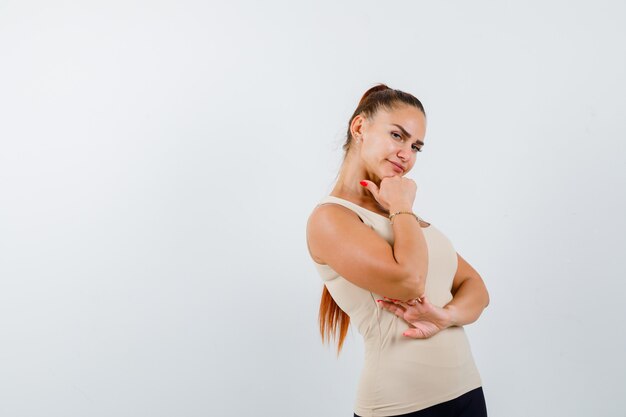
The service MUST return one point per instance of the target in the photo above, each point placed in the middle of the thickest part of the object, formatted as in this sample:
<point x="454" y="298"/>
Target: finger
<point x="413" y="302"/>
<point x="394" y="308"/>
<point x="390" y="301"/>
<point x="371" y="187"/>
<point x="414" y="333"/>
<point x="398" y="303"/>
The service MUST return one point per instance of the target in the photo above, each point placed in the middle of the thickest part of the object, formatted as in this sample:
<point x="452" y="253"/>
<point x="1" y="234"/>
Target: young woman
<point x="395" y="277"/>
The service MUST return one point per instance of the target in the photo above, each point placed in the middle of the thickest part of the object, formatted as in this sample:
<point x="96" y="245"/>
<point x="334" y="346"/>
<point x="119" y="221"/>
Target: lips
<point x="398" y="165"/>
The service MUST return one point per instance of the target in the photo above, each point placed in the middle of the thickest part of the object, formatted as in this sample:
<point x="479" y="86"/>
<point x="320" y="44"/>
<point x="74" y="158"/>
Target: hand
<point x="395" y="192"/>
<point x="424" y="318"/>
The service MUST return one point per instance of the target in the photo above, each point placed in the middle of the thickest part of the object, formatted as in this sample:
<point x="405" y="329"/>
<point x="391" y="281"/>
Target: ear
<point x="357" y="126"/>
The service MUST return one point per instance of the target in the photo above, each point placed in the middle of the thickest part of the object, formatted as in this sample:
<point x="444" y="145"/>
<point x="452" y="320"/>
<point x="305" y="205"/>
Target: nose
<point x="404" y="153"/>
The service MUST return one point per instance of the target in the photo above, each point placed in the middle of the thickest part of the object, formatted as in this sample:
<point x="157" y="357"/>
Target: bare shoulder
<point x="327" y="222"/>
<point x="332" y="212"/>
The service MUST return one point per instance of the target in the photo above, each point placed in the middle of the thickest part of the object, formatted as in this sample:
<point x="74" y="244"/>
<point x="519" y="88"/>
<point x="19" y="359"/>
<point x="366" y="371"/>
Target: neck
<point x="347" y="186"/>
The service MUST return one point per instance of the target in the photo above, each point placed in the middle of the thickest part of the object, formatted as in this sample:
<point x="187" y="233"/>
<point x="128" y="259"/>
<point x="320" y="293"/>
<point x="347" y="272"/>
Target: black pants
<point x="470" y="404"/>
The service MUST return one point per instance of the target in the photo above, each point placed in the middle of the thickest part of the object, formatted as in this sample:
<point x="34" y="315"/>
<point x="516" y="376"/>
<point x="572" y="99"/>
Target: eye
<point x="416" y="148"/>
<point x="397" y="136"/>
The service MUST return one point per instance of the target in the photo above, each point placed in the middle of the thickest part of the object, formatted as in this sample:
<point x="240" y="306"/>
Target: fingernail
<point x="379" y="301"/>
<point x="363" y="183"/>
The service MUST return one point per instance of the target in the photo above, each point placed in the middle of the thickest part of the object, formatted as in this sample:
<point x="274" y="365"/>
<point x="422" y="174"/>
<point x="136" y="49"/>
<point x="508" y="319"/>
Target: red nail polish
<point x="363" y="183"/>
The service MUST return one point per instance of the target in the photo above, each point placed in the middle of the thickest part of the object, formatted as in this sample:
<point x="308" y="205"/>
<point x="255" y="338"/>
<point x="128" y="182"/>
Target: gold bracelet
<point x="404" y="212"/>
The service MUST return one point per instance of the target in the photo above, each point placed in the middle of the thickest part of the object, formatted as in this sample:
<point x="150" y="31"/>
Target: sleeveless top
<point x="401" y="374"/>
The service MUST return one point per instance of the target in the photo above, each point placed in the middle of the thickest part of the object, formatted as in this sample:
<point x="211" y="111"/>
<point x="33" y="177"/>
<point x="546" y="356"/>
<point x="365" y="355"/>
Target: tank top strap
<point x="347" y="204"/>
<point x="367" y="216"/>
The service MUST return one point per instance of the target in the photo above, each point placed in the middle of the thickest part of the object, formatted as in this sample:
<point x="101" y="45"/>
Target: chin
<point x="393" y="174"/>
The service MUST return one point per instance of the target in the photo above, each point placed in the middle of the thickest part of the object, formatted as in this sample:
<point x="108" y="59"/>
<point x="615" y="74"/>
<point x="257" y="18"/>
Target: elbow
<point x="420" y="285"/>
<point x="413" y="286"/>
<point x="486" y="294"/>
<point x="416" y="279"/>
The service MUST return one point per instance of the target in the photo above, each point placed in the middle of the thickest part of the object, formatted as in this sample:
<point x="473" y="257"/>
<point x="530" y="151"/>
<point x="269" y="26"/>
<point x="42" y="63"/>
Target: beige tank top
<point x="401" y="374"/>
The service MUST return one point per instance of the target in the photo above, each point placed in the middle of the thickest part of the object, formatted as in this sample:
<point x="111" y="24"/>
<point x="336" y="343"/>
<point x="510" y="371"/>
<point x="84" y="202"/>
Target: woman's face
<point x="390" y="141"/>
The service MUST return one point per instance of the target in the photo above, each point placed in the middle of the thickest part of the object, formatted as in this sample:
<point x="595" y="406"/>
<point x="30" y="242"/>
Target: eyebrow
<point x="407" y="134"/>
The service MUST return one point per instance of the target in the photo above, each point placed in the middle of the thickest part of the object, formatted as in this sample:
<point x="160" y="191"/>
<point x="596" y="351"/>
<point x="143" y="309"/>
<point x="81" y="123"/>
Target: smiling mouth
<point x="397" y="166"/>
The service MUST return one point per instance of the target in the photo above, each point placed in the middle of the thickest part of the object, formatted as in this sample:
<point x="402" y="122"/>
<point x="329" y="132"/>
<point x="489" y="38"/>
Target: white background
<point x="159" y="160"/>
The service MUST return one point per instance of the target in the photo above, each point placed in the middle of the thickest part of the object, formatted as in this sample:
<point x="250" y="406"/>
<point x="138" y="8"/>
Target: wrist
<point x="395" y="213"/>
<point x="400" y="207"/>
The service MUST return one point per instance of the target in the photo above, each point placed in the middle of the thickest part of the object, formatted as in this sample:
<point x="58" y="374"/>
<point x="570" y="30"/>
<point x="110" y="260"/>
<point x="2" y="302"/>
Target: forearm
<point x="410" y="249"/>
<point x="468" y="302"/>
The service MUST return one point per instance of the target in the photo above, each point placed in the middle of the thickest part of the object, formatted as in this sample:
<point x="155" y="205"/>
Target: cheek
<point x="376" y="151"/>
<point x="386" y="148"/>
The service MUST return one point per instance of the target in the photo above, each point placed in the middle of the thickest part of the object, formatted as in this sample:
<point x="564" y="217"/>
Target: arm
<point x="470" y="296"/>
<point x="338" y="238"/>
<point x="469" y="299"/>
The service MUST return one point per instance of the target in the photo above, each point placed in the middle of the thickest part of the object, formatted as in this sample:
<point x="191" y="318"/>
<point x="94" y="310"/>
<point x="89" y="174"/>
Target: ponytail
<point x="333" y="321"/>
